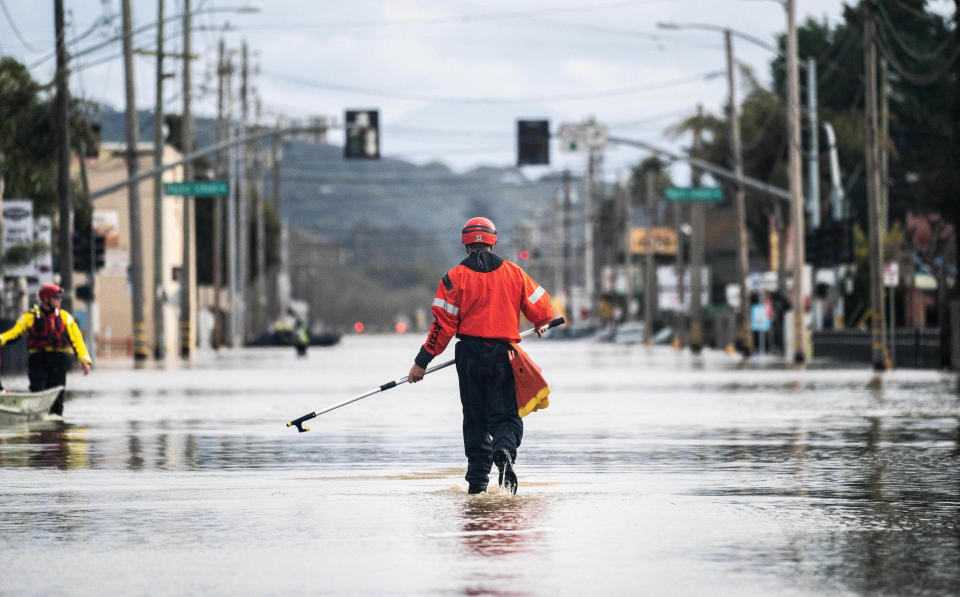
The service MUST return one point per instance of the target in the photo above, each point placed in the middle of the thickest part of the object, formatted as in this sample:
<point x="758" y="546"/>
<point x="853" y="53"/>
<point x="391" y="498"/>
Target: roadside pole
<point x="697" y="245"/>
<point x="649" y="274"/>
<point x="588" y="237"/>
<point x="65" y="201"/>
<point x="159" y="346"/>
<point x="567" y="261"/>
<point x="796" y="185"/>
<point x="217" y="272"/>
<point x="140" y="349"/>
<point x="877" y="319"/>
<point x="186" y="269"/>
<point x="243" y="209"/>
<point x="743" y="242"/>
<point x="627" y="245"/>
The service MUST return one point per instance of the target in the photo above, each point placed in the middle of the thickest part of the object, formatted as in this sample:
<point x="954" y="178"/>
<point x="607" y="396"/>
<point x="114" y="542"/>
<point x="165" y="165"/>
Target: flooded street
<point x="652" y="472"/>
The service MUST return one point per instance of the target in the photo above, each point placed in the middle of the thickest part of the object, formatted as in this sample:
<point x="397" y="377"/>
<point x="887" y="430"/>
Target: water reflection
<point x="48" y="445"/>
<point x="497" y="525"/>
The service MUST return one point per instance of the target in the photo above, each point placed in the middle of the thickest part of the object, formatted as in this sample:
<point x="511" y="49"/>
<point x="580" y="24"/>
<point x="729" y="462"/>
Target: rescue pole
<point x="298" y="422"/>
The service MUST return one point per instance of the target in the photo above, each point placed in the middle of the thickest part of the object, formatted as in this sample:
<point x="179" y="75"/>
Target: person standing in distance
<point x="480" y="302"/>
<point x="52" y="334"/>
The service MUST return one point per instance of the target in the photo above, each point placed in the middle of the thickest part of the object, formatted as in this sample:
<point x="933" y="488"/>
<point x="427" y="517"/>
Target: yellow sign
<point x="660" y="241"/>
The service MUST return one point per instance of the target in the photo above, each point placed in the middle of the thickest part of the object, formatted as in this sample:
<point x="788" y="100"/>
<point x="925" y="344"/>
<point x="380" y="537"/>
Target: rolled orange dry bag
<point x="532" y="389"/>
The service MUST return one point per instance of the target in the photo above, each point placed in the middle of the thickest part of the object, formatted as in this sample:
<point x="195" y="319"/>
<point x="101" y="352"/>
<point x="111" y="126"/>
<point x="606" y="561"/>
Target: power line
<point x="494" y="100"/>
<point x="919" y="56"/>
<point x="454" y="19"/>
<point x="920" y="80"/>
<point x="913" y="11"/>
<point x="16" y="30"/>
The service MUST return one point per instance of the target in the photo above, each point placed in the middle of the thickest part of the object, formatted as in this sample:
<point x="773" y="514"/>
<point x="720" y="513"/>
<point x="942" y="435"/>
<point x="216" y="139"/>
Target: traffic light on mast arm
<point x="99" y="248"/>
<point x="81" y="251"/>
<point x="533" y="142"/>
<point x="362" y="135"/>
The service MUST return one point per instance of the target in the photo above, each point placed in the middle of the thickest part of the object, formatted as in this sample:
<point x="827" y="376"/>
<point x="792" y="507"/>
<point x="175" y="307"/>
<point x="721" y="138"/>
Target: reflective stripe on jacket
<point x="38" y="338"/>
<point x="483" y="297"/>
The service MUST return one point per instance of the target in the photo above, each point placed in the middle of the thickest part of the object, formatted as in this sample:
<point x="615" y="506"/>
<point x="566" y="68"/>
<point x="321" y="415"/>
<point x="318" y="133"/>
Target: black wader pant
<point x="489" y="399"/>
<point x="48" y="370"/>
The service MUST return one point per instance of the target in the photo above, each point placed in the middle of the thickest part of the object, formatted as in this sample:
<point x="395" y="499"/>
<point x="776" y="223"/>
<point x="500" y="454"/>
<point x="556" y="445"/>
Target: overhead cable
<point x="16" y="30"/>
<point x="919" y="56"/>
<point x="920" y="80"/>
<point x="495" y="100"/>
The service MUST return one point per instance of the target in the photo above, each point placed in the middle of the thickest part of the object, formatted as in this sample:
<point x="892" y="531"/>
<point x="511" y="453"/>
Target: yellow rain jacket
<point x="30" y="322"/>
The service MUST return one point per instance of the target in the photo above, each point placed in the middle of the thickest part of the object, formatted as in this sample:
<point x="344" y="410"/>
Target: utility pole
<point x="218" y="206"/>
<point x="796" y="184"/>
<point x="877" y="321"/>
<point x="697" y="218"/>
<point x="743" y="242"/>
<point x="678" y="267"/>
<point x="65" y="201"/>
<point x="588" y="242"/>
<point x="813" y="158"/>
<point x="882" y="147"/>
<point x="243" y="207"/>
<point x="627" y="245"/>
<point x="650" y="275"/>
<point x="186" y="269"/>
<point x="567" y="261"/>
<point x="283" y="279"/>
<point x="813" y="170"/>
<point x="140" y="349"/>
<point x="230" y="238"/>
<point x="261" y="290"/>
<point x="159" y="347"/>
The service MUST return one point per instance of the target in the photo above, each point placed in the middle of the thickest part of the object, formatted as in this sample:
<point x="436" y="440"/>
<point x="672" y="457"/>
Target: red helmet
<point x="50" y="290"/>
<point x="479" y="230"/>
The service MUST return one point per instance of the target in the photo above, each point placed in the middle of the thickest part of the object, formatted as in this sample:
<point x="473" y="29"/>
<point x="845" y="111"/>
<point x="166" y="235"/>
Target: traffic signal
<point x="843" y="240"/>
<point x="362" y="140"/>
<point x="81" y="251"/>
<point x="83" y="293"/>
<point x="99" y="248"/>
<point x="811" y="247"/>
<point x="533" y="142"/>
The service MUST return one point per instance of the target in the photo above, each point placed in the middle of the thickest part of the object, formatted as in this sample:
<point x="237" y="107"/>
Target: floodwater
<point x="652" y="472"/>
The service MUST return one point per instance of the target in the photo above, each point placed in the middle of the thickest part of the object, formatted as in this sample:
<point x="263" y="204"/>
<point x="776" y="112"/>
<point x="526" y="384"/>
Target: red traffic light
<point x="524" y="255"/>
<point x="358" y="327"/>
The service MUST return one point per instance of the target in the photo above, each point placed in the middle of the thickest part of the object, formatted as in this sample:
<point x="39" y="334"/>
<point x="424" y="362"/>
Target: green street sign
<point x="712" y="194"/>
<point x="197" y="188"/>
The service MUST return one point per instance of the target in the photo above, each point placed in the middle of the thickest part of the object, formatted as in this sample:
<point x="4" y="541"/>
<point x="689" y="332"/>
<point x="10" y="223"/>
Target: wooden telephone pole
<point x="872" y="149"/>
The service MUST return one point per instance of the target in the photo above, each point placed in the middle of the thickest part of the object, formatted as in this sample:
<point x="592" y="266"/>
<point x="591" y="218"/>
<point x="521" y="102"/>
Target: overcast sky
<point x="449" y="78"/>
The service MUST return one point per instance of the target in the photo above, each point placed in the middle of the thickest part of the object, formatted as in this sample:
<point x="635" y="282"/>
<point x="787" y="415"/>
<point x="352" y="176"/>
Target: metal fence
<point x="917" y="348"/>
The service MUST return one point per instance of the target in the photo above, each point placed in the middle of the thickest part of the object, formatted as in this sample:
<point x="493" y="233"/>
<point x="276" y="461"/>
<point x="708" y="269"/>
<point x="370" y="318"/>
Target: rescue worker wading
<point x="52" y="334"/>
<point x="480" y="302"/>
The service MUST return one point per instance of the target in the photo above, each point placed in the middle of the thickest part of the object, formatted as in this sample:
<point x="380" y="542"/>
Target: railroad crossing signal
<point x="362" y="129"/>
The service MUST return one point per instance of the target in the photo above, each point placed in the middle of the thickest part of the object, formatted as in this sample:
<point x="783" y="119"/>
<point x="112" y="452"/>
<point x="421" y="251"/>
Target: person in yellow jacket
<point x="52" y="334"/>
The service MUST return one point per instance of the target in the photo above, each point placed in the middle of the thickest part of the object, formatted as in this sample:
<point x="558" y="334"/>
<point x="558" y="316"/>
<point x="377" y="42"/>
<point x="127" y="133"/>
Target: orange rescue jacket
<point x="484" y="297"/>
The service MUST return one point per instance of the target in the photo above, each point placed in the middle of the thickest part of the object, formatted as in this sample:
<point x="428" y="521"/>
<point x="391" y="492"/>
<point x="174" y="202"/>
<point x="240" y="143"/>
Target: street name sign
<point x="197" y="188"/>
<point x="710" y="194"/>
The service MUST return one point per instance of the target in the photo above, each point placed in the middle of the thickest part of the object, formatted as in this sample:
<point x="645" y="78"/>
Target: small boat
<point x="17" y="407"/>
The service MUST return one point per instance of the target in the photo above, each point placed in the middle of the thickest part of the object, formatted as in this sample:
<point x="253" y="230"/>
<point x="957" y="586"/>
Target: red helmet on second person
<point x="49" y="290"/>
<point x="479" y="230"/>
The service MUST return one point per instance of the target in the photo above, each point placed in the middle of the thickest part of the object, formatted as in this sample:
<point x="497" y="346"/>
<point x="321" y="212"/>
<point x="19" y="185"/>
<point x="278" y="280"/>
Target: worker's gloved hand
<point x="416" y="373"/>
